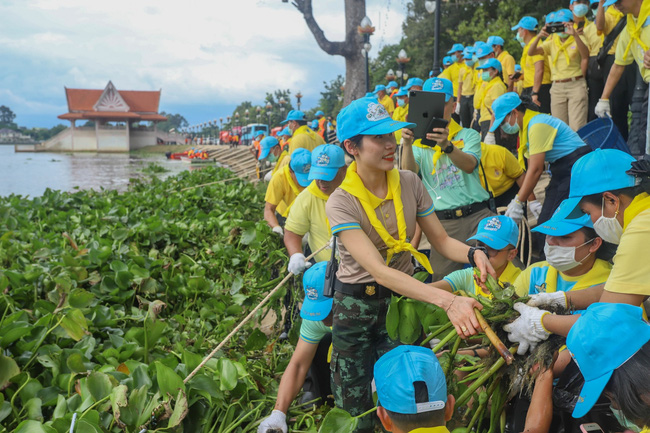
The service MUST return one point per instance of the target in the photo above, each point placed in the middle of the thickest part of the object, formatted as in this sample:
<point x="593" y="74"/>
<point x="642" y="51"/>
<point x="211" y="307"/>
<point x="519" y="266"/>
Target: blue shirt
<point x="551" y="135"/>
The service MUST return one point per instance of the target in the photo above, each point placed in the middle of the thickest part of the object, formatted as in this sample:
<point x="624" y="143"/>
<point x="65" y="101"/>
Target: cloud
<point x="201" y="53"/>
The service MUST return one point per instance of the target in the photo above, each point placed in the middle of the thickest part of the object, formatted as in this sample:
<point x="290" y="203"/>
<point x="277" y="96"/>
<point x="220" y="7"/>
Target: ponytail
<point x="641" y="171"/>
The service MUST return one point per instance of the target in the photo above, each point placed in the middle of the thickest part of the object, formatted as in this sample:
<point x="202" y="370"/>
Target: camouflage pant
<point x="359" y="338"/>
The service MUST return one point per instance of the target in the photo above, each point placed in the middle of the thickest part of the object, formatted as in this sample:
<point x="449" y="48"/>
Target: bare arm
<point x="600" y="17"/>
<point x="582" y="47"/>
<point x="294" y="375"/>
<point x="460" y="159"/>
<point x="581" y="299"/>
<point x="622" y="298"/>
<point x="408" y="160"/>
<point x="520" y="182"/>
<point x="558" y="324"/>
<point x="613" y="78"/>
<point x="540" y="412"/>
<point x="534" y="50"/>
<point x="269" y="215"/>
<point x="293" y="242"/>
<point x="535" y="169"/>
<point x="443" y="285"/>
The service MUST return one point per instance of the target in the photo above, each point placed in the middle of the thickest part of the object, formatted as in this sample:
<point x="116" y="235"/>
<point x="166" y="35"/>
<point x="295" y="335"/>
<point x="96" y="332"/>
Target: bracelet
<point x="452" y="303"/>
<point x="534" y="94"/>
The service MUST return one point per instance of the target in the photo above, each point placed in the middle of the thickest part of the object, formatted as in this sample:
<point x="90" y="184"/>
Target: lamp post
<point x="269" y="107"/>
<point x="298" y="97"/>
<point x="402" y="60"/>
<point x="390" y="75"/>
<point x="366" y="29"/>
<point x="431" y="7"/>
<point x="258" y="110"/>
<point x="282" y="102"/>
<point x="247" y="115"/>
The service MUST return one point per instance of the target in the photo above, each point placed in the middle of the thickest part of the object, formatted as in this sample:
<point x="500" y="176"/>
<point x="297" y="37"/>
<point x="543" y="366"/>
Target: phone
<point x="581" y="24"/>
<point x="516" y="75"/>
<point x="423" y="108"/>
<point x="433" y="124"/>
<point x="554" y="28"/>
<point x="590" y="428"/>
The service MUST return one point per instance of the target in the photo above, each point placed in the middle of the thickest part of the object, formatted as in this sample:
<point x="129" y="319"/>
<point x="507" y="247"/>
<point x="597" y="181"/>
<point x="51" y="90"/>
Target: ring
<point x="463" y="328"/>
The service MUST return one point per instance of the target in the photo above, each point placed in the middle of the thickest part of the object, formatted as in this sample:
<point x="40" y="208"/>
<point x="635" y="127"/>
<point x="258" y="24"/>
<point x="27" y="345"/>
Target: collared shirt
<point x="306" y="138"/>
<point x="533" y="279"/>
<point x="493" y="89"/>
<point x="463" y="279"/>
<point x="501" y="168"/>
<point x="612" y="17"/>
<point x="345" y="212"/>
<point x="399" y="115"/>
<point x="313" y="331"/>
<point x="560" y="68"/>
<point x="551" y="135"/>
<point x="454" y="187"/>
<point x="282" y="191"/>
<point x="283" y="160"/>
<point x="388" y="104"/>
<point x="592" y="38"/>
<point x="466" y="75"/>
<point x="507" y="65"/>
<point x="528" y="67"/>
<point x="451" y="73"/>
<point x="636" y="51"/>
<point x="308" y="216"/>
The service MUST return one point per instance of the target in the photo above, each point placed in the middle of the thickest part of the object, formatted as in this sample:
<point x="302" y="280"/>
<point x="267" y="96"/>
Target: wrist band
<point x="452" y="303"/>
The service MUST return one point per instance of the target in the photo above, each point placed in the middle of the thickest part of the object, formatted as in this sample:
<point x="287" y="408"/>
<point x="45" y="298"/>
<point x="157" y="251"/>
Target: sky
<point x="205" y="55"/>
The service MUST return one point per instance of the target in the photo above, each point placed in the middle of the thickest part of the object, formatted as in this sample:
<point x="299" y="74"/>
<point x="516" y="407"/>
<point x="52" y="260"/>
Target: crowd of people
<point x="377" y="202"/>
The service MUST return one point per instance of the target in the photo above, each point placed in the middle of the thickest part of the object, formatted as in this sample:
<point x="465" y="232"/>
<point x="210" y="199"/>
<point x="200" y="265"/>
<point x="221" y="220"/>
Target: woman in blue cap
<point x="374" y="214"/>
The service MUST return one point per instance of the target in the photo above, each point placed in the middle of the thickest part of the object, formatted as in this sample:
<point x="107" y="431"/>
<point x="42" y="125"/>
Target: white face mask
<point x="563" y="258"/>
<point x="608" y="228"/>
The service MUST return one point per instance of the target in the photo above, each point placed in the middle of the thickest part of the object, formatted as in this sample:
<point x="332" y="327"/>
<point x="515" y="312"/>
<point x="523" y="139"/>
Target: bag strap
<point x="333" y="257"/>
<point x="487" y="186"/>
<point x="608" y="42"/>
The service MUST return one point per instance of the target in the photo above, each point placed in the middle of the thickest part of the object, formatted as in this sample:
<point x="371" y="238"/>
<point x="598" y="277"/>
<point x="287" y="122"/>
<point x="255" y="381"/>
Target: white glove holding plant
<point x="603" y="109"/>
<point x="515" y="210"/>
<point x="554" y="299"/>
<point x="457" y="109"/>
<point x="490" y="138"/>
<point x="535" y="208"/>
<point x="527" y="330"/>
<point x="297" y="264"/>
<point x="278" y="230"/>
<point x="276" y="421"/>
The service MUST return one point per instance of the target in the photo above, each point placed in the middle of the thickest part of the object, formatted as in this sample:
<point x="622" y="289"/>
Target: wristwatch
<point x="534" y="94"/>
<point x="471" y="252"/>
<point x="449" y="148"/>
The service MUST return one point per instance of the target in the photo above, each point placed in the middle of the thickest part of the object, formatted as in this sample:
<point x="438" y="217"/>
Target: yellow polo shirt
<point x="555" y="49"/>
<point x="612" y="17"/>
<point x="528" y="67"/>
<point x="283" y="160"/>
<point x="440" y="429"/>
<point x="501" y="168"/>
<point x="466" y="75"/>
<point x="592" y="38"/>
<point x="493" y="89"/>
<point x="507" y="64"/>
<point x="399" y="115"/>
<point x="282" y="191"/>
<point x="451" y="73"/>
<point x="306" y="138"/>
<point x="636" y="50"/>
<point x="308" y="216"/>
<point x="388" y="104"/>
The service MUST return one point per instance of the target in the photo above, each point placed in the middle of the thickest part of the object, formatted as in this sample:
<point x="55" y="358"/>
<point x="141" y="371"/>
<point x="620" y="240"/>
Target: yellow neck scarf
<point x="354" y="185"/>
<point x="634" y="28"/>
<point x="596" y="275"/>
<point x="562" y="48"/>
<point x="523" y="137"/>
<point x="454" y="128"/>
<point x="640" y="203"/>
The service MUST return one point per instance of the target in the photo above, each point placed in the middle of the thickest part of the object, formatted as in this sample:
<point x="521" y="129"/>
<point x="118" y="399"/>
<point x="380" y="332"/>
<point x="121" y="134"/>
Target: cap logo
<point x="312" y="293"/>
<point x="323" y="159"/>
<point x="493" y="225"/>
<point x="306" y="168"/>
<point x="438" y="85"/>
<point x="376" y="112"/>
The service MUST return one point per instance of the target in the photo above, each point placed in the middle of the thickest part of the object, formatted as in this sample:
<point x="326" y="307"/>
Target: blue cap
<point x="326" y="160"/>
<point x="468" y="53"/>
<point x="392" y="84"/>
<point x="550" y="18"/>
<point x="414" y="82"/>
<point x="447" y="60"/>
<point x="430" y="74"/>
<point x="563" y="16"/>
<point x="609" y="3"/>
<point x="370" y="95"/>
<point x="403" y="91"/>
<point x="315" y="306"/>
<point x="491" y="63"/>
<point x="379" y="88"/>
<point x="319" y="113"/>
<point x="604" y="338"/>
<point x="518" y="68"/>
<point x="483" y="49"/>
<point x="266" y="145"/>
<point x="286" y="132"/>
<point x="495" y="40"/>
<point x="314" y="124"/>
<point x="568" y="218"/>
<point x="366" y="116"/>
<point x="497" y="232"/>
<point x="526" y="23"/>
<point x="294" y="115"/>
<point x="502" y="106"/>
<point x="439" y="85"/>
<point x="301" y="164"/>
<point x="455" y="48"/>
<point x="258" y="133"/>
<point x="397" y="371"/>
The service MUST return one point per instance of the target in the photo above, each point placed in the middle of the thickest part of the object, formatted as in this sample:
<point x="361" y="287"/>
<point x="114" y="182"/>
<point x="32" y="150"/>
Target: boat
<point x="177" y="155"/>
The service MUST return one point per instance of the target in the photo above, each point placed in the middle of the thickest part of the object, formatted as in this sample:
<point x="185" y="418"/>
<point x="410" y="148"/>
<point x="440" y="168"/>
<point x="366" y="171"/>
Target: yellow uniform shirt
<point x="466" y="75"/>
<point x="388" y="104"/>
<point x="592" y="38"/>
<point x="308" y="216"/>
<point x="612" y="17"/>
<point x="630" y="49"/>
<point x="283" y="160"/>
<point x="507" y="65"/>
<point x="451" y="73"/>
<point x="493" y="89"/>
<point x="399" y="115"/>
<point x="564" y="57"/>
<point x="306" y="138"/>
<point x="540" y="277"/>
<point x="440" y="429"/>
<point x="501" y="168"/>
<point x="519" y="87"/>
<point x="282" y="191"/>
<point x="479" y="89"/>
<point x="528" y="67"/>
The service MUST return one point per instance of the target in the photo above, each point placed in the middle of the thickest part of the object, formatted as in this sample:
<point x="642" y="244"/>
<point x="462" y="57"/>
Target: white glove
<point x="515" y="210"/>
<point x="457" y="110"/>
<point x="527" y="330"/>
<point x="603" y="109"/>
<point x="554" y="299"/>
<point x="278" y="230"/>
<point x="535" y="208"/>
<point x="490" y="138"/>
<point x="297" y="264"/>
<point x="276" y="421"/>
<point x="268" y="176"/>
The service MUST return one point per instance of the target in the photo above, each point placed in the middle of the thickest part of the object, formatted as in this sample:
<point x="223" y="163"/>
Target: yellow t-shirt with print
<point x="282" y="191"/>
<point x="636" y="50"/>
<point x="501" y="168"/>
<point x="558" y="52"/>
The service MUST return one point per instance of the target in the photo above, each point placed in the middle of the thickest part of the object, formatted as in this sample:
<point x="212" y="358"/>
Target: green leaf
<point x="75" y="363"/>
<point x="256" y="341"/>
<point x="118" y="400"/>
<point x="409" y="325"/>
<point x="99" y="385"/>
<point x="118" y="266"/>
<point x="120" y="234"/>
<point x="180" y="410"/>
<point x="392" y="318"/>
<point x="248" y="235"/>
<point x="79" y="298"/>
<point x="228" y="374"/>
<point x="8" y="369"/>
<point x="168" y="381"/>
<point x="33" y="407"/>
<point x="13" y="332"/>
<point x="61" y="407"/>
<point x="237" y="284"/>
<point x="30" y="426"/>
<point x="5" y="410"/>
<point x="75" y="324"/>
<point x="338" y="421"/>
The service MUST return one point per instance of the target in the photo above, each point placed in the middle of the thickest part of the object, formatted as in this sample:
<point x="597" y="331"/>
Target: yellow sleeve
<point x="540" y="138"/>
<point x="298" y="219"/>
<point x="275" y="189"/>
<point x="492" y="96"/>
<point x="547" y="46"/>
<point x="511" y="166"/>
<point x="522" y="283"/>
<point x="629" y="274"/>
<point x="445" y="74"/>
<point x="508" y="66"/>
<point x="623" y="40"/>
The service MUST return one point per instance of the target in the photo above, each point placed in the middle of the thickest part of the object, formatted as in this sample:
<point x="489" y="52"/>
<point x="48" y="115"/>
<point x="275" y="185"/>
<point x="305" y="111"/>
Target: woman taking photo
<point x="374" y="214"/>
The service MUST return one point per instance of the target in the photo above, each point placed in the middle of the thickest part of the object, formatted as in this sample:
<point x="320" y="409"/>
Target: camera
<point x="554" y="28"/>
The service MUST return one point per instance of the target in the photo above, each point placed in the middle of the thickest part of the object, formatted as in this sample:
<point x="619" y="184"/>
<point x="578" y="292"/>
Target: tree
<point x="175" y="121"/>
<point x="331" y="100"/>
<point x="7" y="117"/>
<point x="277" y="115"/>
<point x="350" y="48"/>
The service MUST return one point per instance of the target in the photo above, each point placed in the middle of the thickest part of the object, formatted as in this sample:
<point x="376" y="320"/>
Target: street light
<point x="390" y="75"/>
<point x="258" y="110"/>
<point x="366" y="29"/>
<point x="246" y="115"/>
<point x="269" y="107"/>
<point x="282" y="102"/>
<point x="434" y="6"/>
<point x="298" y="96"/>
<point x="402" y="60"/>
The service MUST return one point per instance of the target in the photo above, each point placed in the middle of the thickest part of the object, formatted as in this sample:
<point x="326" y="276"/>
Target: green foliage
<point x="7" y="116"/>
<point x="175" y="121"/>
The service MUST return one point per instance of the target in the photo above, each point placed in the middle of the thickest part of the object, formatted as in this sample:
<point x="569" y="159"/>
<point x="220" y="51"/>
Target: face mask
<point x="563" y="258"/>
<point x="510" y="129"/>
<point x="563" y="35"/>
<point x="485" y="76"/>
<point x="580" y="10"/>
<point x="608" y="228"/>
<point x="470" y="62"/>
<point x="482" y="62"/>
<point x="401" y="102"/>
<point x="271" y="158"/>
<point x="519" y="38"/>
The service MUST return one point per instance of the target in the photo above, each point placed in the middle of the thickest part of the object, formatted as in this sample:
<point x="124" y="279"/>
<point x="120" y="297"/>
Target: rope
<point x="247" y="318"/>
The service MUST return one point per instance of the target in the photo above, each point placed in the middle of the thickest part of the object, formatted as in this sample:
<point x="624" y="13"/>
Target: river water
<point x="30" y="173"/>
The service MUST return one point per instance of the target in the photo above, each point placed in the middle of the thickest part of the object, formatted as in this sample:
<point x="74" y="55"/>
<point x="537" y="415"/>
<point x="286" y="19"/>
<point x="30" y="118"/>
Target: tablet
<point x="423" y="107"/>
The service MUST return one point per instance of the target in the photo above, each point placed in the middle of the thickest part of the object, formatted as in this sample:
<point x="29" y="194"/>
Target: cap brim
<point x="303" y="179"/>
<point x="494" y="243"/>
<point x="316" y="310"/>
<point x="609" y="2"/>
<point x="386" y="127"/>
<point x="498" y="121"/>
<point x="517" y="27"/>
<point x="557" y="228"/>
<point x="589" y="394"/>
<point x="264" y="153"/>
<point x="323" y="173"/>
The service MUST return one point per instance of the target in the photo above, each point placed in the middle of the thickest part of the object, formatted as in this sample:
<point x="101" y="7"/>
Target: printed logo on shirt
<point x="323" y="159"/>
<point x="376" y="112"/>
<point x="312" y="293"/>
<point x="493" y="224"/>
<point x="541" y="288"/>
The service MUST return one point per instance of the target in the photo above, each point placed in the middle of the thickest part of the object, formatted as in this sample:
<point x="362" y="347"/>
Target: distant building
<point x="11" y="136"/>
